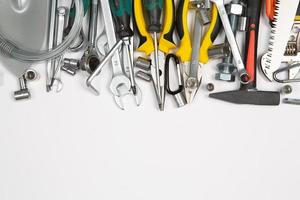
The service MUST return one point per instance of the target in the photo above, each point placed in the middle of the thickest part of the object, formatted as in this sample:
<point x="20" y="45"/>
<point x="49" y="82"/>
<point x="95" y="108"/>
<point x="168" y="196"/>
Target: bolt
<point x="226" y="68"/>
<point x="219" y="51"/>
<point x="226" y="72"/>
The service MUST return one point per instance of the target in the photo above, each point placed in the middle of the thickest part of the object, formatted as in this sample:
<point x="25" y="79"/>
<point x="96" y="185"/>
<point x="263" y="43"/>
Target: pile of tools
<point x="153" y="40"/>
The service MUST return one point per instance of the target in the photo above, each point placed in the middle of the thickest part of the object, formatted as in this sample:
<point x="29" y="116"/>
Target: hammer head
<point x="249" y="97"/>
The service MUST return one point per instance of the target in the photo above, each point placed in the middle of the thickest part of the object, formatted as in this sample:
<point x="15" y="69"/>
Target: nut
<point x="31" y="75"/>
<point x="225" y="77"/>
<point x="287" y="89"/>
<point x="210" y="87"/>
<point x="235" y="9"/>
<point x="228" y="68"/>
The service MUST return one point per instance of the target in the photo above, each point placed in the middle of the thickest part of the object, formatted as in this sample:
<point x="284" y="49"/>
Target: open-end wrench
<point x="120" y="84"/>
<point x="122" y="11"/>
<point x="244" y="77"/>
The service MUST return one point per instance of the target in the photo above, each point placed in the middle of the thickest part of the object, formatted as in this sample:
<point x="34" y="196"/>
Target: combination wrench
<point x="120" y="85"/>
<point x="90" y="59"/>
<point x="243" y="75"/>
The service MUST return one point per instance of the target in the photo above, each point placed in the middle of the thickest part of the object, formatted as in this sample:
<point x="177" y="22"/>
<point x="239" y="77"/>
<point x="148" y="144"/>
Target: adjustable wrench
<point x="244" y="77"/>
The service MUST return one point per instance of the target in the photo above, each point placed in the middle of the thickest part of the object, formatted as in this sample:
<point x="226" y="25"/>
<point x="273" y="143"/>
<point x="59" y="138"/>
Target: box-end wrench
<point x="243" y="75"/>
<point x="90" y="59"/>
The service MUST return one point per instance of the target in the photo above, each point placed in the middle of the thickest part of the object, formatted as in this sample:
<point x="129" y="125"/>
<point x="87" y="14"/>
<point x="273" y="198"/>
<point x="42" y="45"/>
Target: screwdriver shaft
<point x="157" y="73"/>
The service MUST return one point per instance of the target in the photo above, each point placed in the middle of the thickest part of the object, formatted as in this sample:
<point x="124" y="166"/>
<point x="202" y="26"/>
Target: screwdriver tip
<point x="161" y="107"/>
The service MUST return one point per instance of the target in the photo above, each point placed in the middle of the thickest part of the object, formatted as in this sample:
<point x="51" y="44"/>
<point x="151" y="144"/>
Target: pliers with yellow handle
<point x="185" y="50"/>
<point x="166" y="42"/>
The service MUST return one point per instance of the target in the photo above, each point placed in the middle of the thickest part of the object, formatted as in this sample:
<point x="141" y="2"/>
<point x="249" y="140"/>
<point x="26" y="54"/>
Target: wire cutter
<point x="194" y="58"/>
<point x="165" y="44"/>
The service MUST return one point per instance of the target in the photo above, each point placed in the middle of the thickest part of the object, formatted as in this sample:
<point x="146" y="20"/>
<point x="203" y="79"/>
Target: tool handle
<point x="122" y="11"/>
<point x="297" y="18"/>
<point x="253" y="13"/>
<point x="146" y="42"/>
<point x="184" y="51"/>
<point x="166" y="39"/>
<point x="210" y="36"/>
<point x="270" y="9"/>
<point x="153" y="9"/>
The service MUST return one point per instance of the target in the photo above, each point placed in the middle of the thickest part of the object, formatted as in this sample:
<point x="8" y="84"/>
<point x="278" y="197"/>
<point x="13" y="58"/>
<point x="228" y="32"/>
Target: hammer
<point x="248" y="93"/>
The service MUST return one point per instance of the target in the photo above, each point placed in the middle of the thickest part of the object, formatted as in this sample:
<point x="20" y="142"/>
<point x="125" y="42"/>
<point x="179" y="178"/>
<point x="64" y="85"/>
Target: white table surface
<point x="74" y="145"/>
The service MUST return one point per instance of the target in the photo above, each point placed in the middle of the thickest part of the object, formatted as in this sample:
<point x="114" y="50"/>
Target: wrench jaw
<point x="120" y="86"/>
<point x="55" y="85"/>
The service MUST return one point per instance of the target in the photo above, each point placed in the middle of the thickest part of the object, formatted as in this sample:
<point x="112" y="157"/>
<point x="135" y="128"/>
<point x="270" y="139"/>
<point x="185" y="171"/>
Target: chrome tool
<point x="120" y="85"/>
<point x="243" y="75"/>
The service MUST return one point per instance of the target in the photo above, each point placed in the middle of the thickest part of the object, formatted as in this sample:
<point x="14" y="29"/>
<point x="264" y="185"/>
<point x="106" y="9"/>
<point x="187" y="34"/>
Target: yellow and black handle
<point x="210" y="36"/>
<point x="166" y="42"/>
<point x="146" y="42"/>
<point x="184" y="51"/>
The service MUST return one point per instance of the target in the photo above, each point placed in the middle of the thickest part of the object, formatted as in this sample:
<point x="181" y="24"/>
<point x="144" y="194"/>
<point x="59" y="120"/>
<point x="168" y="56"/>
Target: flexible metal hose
<point x="8" y="48"/>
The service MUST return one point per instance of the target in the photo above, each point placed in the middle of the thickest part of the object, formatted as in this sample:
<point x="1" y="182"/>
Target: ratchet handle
<point x="253" y="10"/>
<point x="153" y="10"/>
<point x="166" y="41"/>
<point x="146" y="42"/>
<point x="210" y="36"/>
<point x="184" y="51"/>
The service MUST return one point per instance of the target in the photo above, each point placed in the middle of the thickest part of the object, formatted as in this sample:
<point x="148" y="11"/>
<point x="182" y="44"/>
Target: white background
<point x="73" y="145"/>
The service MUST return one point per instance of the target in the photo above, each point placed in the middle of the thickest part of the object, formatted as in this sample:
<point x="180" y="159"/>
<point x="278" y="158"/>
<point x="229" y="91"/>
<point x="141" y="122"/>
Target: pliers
<point x="166" y="43"/>
<point x="185" y="50"/>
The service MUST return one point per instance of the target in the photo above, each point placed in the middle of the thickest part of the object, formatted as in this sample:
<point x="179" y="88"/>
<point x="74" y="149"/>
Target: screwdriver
<point x="153" y="10"/>
<point x="122" y="11"/>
